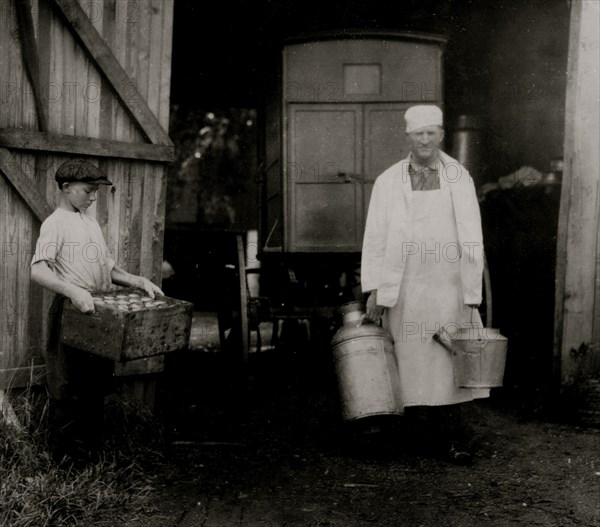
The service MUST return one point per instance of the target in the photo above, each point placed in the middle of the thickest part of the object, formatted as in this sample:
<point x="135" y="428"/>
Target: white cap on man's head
<point x="423" y="115"/>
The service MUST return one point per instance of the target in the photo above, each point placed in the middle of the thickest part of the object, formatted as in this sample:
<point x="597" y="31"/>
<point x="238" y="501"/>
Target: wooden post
<point x="29" y="50"/>
<point x="577" y="315"/>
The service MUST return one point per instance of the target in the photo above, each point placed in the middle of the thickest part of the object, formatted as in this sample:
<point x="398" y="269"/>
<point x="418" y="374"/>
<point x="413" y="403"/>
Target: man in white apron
<point x="422" y="262"/>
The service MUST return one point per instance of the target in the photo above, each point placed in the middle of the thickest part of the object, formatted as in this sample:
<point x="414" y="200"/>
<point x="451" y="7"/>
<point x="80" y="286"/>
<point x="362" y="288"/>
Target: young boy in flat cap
<point x="71" y="256"/>
<point x="72" y="260"/>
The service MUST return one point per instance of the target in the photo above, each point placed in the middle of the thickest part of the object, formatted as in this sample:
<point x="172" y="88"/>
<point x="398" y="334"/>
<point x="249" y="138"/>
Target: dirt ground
<point x="277" y="454"/>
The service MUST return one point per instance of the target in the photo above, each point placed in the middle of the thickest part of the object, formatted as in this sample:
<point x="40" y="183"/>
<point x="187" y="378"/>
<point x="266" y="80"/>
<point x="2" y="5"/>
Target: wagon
<point x="333" y="121"/>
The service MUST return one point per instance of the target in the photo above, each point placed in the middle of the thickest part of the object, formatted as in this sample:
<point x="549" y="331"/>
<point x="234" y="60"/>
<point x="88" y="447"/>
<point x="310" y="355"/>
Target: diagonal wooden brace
<point x="100" y="53"/>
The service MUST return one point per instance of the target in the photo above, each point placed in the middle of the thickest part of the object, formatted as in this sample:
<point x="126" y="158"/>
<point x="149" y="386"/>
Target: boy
<point x="71" y="256"/>
<point x="72" y="260"/>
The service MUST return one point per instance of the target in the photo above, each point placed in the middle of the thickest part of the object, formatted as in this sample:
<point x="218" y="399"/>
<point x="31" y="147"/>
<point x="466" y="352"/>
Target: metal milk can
<point x="365" y="365"/>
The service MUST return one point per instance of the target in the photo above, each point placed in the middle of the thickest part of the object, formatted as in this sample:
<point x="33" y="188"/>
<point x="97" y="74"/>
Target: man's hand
<point x="374" y="312"/>
<point x="149" y="287"/>
<point x="82" y="300"/>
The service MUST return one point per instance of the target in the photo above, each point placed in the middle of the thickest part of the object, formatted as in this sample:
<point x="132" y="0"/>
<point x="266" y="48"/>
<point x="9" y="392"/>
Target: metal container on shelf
<point x="467" y="144"/>
<point x="366" y="367"/>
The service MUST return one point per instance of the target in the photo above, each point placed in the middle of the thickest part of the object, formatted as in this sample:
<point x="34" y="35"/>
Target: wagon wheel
<point x="233" y="313"/>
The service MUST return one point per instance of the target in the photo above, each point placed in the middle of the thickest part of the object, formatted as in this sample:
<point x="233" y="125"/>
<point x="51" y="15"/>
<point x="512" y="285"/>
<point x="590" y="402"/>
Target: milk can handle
<point x="362" y="319"/>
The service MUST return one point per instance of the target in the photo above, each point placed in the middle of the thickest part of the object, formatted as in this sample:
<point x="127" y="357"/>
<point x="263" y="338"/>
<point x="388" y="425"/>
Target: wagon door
<point x="325" y="177"/>
<point x="336" y="152"/>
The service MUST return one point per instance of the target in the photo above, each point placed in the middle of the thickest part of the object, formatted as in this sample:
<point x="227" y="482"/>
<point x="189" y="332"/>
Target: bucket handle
<point x="442" y="337"/>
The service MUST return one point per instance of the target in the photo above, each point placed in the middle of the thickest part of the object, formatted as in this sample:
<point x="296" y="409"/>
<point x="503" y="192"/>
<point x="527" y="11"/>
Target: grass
<point x="38" y="491"/>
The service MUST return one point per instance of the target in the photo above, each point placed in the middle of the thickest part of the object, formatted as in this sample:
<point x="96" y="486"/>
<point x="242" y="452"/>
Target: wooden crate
<point x="124" y="335"/>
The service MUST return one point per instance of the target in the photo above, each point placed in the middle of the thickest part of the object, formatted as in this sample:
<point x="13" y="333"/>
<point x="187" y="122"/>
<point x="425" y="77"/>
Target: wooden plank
<point x="29" y="50"/>
<point x="55" y="72"/>
<point x="20" y="139"/>
<point x="155" y="56"/>
<point x="8" y="255"/>
<point x="143" y="37"/>
<point x="147" y="256"/>
<point x="13" y="210"/>
<point x="158" y="231"/>
<point x="123" y="238"/>
<point x="125" y="17"/>
<point x="15" y="77"/>
<point x="137" y="176"/>
<point x="131" y="64"/>
<point x="23" y="221"/>
<point x="578" y="284"/>
<point x="81" y="66"/>
<point x="35" y="318"/>
<point x="16" y="346"/>
<point x="70" y="47"/>
<point x="116" y="174"/>
<point x="143" y="366"/>
<point x="109" y="66"/>
<point x="24" y="186"/>
<point x="107" y="101"/>
<point x="165" y="61"/>
<point x="92" y="89"/>
<point x="8" y="89"/>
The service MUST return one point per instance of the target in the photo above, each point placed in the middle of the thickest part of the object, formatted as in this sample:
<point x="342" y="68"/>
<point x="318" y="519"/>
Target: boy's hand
<point x="82" y="300"/>
<point x="149" y="287"/>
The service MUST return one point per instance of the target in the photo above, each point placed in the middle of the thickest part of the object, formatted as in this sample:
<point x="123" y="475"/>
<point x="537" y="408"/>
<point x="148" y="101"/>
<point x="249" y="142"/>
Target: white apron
<point x="430" y="297"/>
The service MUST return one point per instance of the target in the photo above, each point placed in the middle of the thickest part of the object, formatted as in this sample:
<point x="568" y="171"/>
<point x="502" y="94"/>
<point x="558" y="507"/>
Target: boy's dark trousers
<point x="77" y="383"/>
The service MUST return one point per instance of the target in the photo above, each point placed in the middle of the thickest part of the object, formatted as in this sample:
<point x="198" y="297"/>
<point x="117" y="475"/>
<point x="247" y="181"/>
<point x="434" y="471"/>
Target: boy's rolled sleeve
<point x="47" y="245"/>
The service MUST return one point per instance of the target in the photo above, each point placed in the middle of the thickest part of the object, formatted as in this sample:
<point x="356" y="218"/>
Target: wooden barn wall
<point x="79" y="101"/>
<point x="577" y="327"/>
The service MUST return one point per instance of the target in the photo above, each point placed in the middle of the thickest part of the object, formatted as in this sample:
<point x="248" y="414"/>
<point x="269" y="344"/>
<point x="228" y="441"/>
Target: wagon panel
<point x="342" y="108"/>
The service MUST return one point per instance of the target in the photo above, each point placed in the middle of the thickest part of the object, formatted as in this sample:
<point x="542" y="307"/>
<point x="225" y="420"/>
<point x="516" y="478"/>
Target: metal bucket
<point x="366" y="367"/>
<point x="478" y="356"/>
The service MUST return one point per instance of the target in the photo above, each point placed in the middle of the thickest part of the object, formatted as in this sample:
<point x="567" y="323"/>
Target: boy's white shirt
<point x="73" y="246"/>
<point x="388" y="230"/>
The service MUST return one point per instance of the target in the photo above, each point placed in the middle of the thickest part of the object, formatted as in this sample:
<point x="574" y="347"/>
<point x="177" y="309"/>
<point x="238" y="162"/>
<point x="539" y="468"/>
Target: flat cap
<point x="80" y="170"/>
<point x="423" y="115"/>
